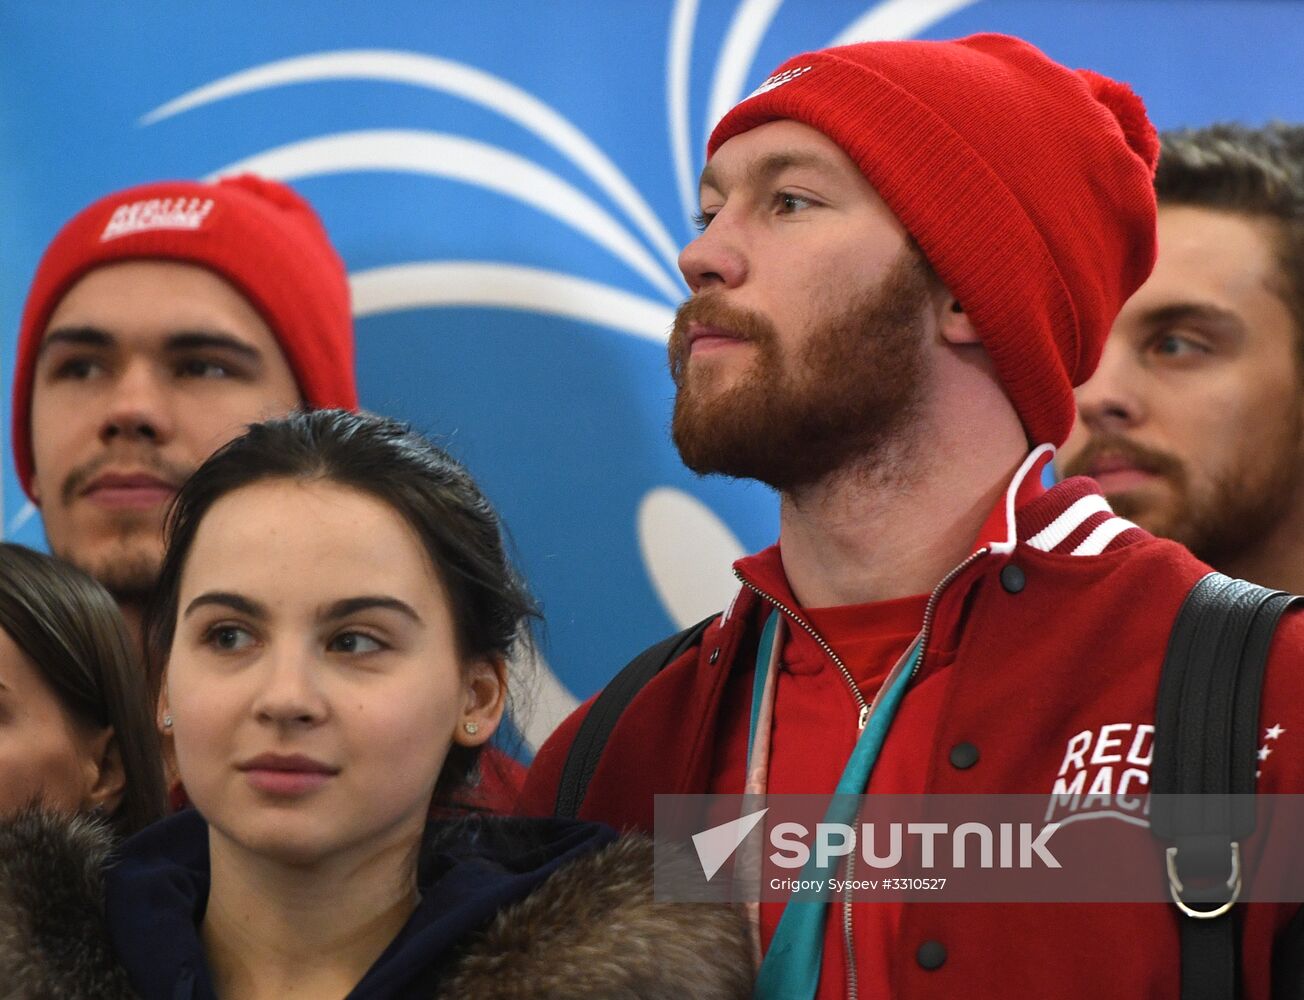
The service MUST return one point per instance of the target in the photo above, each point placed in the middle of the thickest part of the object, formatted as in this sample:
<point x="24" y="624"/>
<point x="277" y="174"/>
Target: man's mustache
<point x="1115" y="446"/>
<point x="172" y="473"/>
<point x="709" y="309"/>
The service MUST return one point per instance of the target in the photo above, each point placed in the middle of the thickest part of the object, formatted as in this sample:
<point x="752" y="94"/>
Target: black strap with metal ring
<point x="1203" y="776"/>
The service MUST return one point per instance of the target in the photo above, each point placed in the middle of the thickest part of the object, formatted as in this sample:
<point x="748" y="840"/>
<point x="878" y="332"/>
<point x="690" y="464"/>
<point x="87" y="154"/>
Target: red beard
<point x="795" y="417"/>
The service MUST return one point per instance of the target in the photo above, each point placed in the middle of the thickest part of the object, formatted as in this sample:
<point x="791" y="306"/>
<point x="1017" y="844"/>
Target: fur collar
<point x="594" y="930"/>
<point x="591" y="929"/>
<point x="53" y="941"/>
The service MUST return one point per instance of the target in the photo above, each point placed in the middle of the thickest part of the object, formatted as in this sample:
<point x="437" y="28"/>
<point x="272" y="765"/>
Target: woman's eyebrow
<point x="227" y="600"/>
<point x="352" y="605"/>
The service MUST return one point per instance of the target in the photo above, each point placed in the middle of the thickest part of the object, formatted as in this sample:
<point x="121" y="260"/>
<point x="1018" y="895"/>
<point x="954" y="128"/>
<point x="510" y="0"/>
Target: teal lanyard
<point x="791" y="967"/>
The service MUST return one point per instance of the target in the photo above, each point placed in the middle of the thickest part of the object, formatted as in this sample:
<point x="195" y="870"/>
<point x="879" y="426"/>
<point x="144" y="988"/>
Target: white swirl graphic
<point x="438" y="155"/>
<point x="432" y="284"/>
<point x="549" y="701"/>
<point x="445" y="75"/>
<point x="25" y="513"/>
<point x="679" y="54"/>
<point x="896" y="19"/>
<point x="688" y="552"/>
<point x="751" y="20"/>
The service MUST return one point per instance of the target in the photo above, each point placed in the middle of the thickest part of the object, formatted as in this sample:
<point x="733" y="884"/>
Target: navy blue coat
<point x="156" y="894"/>
<point x="510" y="910"/>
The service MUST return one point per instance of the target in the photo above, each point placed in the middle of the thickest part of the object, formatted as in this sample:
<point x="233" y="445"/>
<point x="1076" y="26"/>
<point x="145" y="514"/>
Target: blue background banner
<point x="509" y="186"/>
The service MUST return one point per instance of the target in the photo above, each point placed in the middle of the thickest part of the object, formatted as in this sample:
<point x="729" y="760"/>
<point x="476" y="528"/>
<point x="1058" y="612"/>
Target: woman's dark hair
<point x="491" y="607"/>
<point x="71" y="630"/>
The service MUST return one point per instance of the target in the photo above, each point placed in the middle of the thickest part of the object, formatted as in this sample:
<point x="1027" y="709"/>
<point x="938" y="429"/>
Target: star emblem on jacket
<point x="1270" y="734"/>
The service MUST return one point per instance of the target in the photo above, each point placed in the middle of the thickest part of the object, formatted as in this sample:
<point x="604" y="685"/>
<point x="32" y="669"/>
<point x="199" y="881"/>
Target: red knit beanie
<point x="257" y="234"/>
<point x="1028" y="186"/>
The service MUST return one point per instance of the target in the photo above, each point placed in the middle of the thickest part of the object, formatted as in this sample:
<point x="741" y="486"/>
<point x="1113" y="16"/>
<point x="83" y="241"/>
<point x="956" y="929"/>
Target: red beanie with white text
<point x="258" y="234"/>
<point x="1028" y="186"/>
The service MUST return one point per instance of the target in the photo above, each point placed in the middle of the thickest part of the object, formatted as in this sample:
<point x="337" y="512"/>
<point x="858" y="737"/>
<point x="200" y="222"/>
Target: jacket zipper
<point x="823" y="644"/>
<point x="925" y="630"/>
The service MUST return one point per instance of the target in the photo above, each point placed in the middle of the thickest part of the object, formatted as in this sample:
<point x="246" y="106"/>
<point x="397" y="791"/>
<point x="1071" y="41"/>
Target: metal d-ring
<point x="1175" y="887"/>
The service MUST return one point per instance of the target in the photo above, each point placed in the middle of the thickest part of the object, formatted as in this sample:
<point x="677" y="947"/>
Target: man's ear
<point x="485" y="700"/>
<point x="36" y="489"/>
<point x="955" y="326"/>
<point x="106" y="778"/>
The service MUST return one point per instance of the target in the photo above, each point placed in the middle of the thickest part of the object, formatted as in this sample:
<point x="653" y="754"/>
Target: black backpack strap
<point x="1288" y="960"/>
<point x="586" y="750"/>
<point x="1206" y="748"/>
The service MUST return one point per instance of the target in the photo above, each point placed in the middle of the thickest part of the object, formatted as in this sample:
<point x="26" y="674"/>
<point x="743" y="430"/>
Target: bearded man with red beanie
<point x="911" y="253"/>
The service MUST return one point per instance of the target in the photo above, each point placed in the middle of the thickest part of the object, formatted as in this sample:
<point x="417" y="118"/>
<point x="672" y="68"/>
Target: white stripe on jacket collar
<point x="1069" y="521"/>
<point x="1033" y="461"/>
<point x="1073" y="517"/>
<point x="1101" y="535"/>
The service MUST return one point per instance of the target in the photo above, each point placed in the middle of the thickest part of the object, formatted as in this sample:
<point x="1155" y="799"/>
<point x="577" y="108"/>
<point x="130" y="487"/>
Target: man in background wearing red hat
<point x="162" y="320"/>
<point x="911" y="252"/>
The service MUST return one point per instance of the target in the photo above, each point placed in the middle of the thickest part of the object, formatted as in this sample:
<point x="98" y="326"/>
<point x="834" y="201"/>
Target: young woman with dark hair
<point x="330" y="639"/>
<point x="76" y="731"/>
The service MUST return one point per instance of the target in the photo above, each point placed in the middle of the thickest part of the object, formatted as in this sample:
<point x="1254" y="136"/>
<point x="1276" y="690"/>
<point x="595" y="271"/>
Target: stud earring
<point x="471" y="728"/>
<point x="167" y="722"/>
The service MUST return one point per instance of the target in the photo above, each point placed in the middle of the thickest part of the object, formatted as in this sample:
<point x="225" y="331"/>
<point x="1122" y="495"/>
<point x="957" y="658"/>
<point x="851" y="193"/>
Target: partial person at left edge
<point x="76" y="731"/>
<point x="161" y="321"/>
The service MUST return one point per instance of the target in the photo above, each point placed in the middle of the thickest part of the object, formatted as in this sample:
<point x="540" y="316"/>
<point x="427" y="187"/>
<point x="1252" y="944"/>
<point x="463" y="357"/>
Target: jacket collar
<point x="1071" y="518"/>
